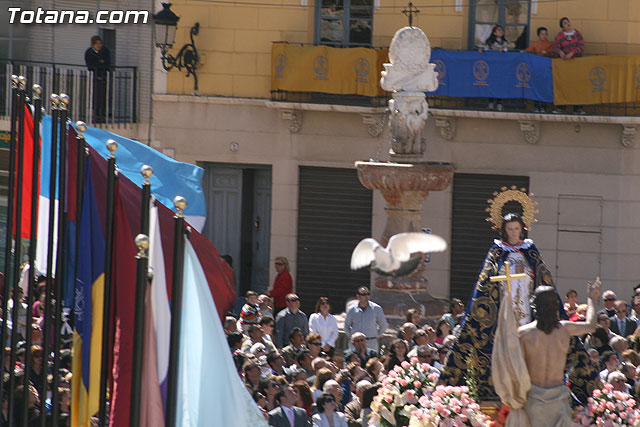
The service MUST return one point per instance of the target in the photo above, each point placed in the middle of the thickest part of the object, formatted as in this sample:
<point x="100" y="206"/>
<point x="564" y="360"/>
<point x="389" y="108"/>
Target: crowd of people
<point x="567" y="44"/>
<point x="39" y="370"/>
<point x="613" y="347"/>
<point x="295" y="370"/>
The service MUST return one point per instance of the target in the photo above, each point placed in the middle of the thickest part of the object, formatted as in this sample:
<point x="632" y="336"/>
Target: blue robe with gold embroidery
<point x="479" y="326"/>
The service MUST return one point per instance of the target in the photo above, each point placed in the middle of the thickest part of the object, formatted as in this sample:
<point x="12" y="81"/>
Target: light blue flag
<point x="210" y="391"/>
<point x="170" y="177"/>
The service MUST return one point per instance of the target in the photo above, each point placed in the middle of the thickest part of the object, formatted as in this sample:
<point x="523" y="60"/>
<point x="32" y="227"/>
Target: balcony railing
<point x="111" y="98"/>
<point x="525" y="83"/>
<point x="528" y="106"/>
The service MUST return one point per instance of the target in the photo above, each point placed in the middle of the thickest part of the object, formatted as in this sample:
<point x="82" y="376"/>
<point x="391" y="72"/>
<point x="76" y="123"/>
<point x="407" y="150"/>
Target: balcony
<point x="325" y="75"/>
<point x="110" y="99"/>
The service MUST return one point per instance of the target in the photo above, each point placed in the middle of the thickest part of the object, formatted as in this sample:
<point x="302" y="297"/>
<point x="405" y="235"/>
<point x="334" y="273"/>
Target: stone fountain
<point x="406" y="180"/>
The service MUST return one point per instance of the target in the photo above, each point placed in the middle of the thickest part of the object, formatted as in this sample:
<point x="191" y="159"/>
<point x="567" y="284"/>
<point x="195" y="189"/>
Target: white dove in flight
<point x="395" y="259"/>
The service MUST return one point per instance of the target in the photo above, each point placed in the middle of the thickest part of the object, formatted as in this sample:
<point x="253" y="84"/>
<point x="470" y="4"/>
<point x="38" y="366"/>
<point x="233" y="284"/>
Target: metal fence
<point x="329" y="98"/>
<point x="446" y="102"/>
<point x="528" y="106"/>
<point x="110" y="98"/>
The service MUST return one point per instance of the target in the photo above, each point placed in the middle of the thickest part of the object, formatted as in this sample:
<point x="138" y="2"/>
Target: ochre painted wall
<point x="235" y="39"/>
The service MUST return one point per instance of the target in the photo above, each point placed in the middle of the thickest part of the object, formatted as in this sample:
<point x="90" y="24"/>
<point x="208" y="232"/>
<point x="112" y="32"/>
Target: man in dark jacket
<point x="98" y="59"/>
<point x="621" y="324"/>
<point x="287" y="415"/>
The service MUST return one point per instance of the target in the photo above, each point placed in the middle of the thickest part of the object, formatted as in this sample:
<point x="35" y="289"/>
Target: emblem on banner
<point x="281" y="63"/>
<point x="481" y="73"/>
<point x="441" y="69"/>
<point x="78" y="309"/>
<point x="636" y="75"/>
<point x="321" y="68"/>
<point x="523" y="74"/>
<point x="598" y="77"/>
<point x="362" y="70"/>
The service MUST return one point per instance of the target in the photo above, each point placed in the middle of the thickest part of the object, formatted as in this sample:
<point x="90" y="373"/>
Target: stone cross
<point x="508" y="277"/>
<point x="410" y="12"/>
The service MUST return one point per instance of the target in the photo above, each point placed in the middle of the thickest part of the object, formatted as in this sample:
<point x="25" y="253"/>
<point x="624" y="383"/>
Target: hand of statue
<point x="594" y="290"/>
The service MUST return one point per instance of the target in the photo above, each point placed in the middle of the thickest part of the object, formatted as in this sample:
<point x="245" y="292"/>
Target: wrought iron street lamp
<point x="165" y="24"/>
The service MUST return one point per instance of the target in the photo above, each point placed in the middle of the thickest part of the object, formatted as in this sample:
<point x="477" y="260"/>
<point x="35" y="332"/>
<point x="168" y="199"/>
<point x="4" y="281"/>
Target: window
<point x="513" y="15"/>
<point x="109" y="39"/>
<point x="345" y="23"/>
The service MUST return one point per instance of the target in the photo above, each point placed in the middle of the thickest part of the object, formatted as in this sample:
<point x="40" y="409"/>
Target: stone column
<point x="406" y="182"/>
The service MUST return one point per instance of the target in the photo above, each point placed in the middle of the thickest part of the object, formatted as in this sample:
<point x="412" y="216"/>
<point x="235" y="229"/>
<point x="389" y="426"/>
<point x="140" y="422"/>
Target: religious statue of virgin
<point x="478" y="328"/>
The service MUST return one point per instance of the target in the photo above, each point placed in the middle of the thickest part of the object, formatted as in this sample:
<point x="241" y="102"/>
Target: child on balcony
<point x="498" y="43"/>
<point x="542" y="47"/>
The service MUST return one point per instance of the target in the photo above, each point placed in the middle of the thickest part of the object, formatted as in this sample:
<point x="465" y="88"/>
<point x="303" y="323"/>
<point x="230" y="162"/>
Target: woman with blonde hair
<point x="283" y="284"/>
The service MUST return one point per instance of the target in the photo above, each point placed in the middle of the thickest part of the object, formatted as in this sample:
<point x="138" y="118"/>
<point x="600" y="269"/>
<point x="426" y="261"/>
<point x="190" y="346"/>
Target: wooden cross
<point x="412" y="10"/>
<point x="508" y="277"/>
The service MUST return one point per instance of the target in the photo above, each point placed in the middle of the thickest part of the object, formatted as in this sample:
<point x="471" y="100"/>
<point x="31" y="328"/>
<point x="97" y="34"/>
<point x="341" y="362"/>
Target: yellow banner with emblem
<point x="596" y="80"/>
<point x="351" y="71"/>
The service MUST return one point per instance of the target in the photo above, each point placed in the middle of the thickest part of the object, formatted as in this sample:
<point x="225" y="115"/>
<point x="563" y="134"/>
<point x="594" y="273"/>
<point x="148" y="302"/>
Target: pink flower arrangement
<point x="405" y="386"/>
<point x="608" y="408"/>
<point x="409" y="397"/>
<point x="448" y="406"/>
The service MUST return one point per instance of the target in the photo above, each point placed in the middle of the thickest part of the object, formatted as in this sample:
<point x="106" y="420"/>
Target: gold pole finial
<point x="22" y="80"/>
<point x="37" y="91"/>
<point x="112" y="146"/>
<point x="142" y="243"/>
<point x="55" y="101"/>
<point x="180" y="204"/>
<point x="147" y="172"/>
<point x="81" y="127"/>
<point x="64" y="101"/>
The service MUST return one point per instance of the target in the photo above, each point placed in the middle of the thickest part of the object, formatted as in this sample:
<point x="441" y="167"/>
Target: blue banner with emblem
<point x="493" y="75"/>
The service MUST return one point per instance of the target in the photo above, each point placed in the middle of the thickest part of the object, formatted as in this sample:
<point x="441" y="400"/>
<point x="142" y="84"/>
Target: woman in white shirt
<point x="324" y="323"/>
<point x="327" y="415"/>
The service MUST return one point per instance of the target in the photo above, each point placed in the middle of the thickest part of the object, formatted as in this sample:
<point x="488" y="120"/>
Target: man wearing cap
<point x="366" y="317"/>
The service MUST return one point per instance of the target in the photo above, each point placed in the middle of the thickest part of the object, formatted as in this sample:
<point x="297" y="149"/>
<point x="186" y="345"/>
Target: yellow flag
<point x="596" y="80"/>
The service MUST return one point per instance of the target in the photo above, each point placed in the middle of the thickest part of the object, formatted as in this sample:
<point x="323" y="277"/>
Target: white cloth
<point x="327" y="327"/>
<point x="548" y="407"/>
<point x="320" y="420"/>
<point x="211" y="392"/>
<point x="508" y="367"/>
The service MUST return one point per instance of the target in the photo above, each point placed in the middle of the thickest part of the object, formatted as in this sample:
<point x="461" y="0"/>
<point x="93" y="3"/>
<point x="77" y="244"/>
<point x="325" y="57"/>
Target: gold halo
<point x="512" y="195"/>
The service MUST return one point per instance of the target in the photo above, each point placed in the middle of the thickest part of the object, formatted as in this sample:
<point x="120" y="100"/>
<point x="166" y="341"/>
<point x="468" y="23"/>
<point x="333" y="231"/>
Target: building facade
<point x="280" y="176"/>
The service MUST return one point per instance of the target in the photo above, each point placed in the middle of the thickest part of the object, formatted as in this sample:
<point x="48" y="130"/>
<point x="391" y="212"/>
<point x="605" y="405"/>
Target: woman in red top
<point x="283" y="284"/>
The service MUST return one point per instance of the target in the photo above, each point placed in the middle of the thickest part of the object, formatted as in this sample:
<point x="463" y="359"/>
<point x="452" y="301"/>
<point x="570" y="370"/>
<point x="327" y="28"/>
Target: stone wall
<point x="572" y="158"/>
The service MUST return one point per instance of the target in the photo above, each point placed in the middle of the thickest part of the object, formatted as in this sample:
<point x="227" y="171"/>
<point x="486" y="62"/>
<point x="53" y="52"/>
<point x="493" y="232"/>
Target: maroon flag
<point x="124" y="284"/>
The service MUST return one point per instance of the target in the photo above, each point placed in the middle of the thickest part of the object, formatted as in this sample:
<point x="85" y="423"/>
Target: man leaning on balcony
<point x="98" y="59"/>
<point x="568" y="44"/>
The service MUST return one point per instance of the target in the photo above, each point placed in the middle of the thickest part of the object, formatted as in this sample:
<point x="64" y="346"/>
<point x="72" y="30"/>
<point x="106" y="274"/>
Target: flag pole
<point x="180" y="204"/>
<point x="60" y="258"/>
<point x="35" y="167"/>
<point x="142" y="242"/>
<point x="15" y="87"/>
<point x="112" y="146"/>
<point x="81" y="155"/>
<point x="17" y="249"/>
<point x="46" y="335"/>
<point x="142" y="267"/>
